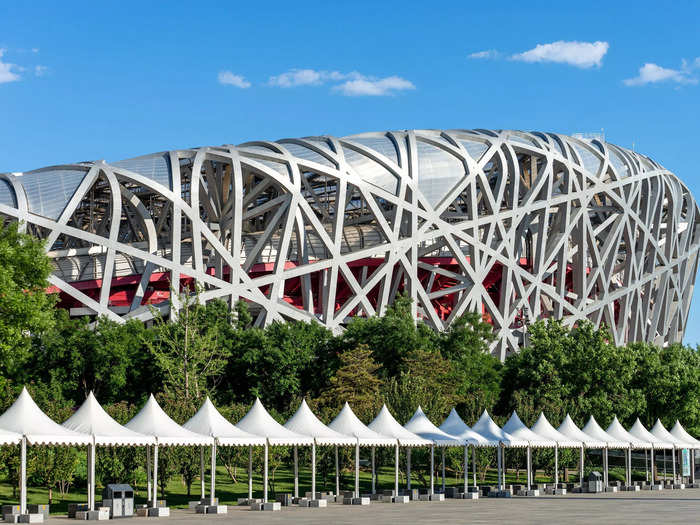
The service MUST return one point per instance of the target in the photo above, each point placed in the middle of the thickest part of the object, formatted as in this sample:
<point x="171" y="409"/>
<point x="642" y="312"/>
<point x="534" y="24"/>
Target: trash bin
<point x="119" y="497"/>
<point x="595" y="482"/>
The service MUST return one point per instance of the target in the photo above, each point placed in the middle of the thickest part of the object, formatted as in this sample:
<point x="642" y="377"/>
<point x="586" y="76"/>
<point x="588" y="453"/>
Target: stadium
<point x="518" y="226"/>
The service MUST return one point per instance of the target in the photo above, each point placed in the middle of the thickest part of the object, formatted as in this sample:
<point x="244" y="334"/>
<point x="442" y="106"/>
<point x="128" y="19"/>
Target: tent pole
<point x="149" y="475"/>
<point x="265" y="474"/>
<point x="408" y="468"/>
<point x="296" y="471"/>
<point x="629" y="466"/>
<point x="374" y="488"/>
<point x="498" y="463"/>
<point x="673" y="462"/>
<point x="155" y="474"/>
<point x="466" y="469"/>
<point x="250" y="473"/>
<point x="337" y="473"/>
<point x="646" y="462"/>
<point x="529" y="468"/>
<point x="313" y="469"/>
<point x="443" y="469"/>
<point x="357" y="468"/>
<point x="396" y="469"/>
<point x="556" y="465"/>
<point x="474" y="464"/>
<point x="23" y="477"/>
<point x="503" y="467"/>
<point x="432" y="469"/>
<point x="580" y="467"/>
<point x="212" y="474"/>
<point x="201" y="472"/>
<point x="91" y="498"/>
<point x="605" y="466"/>
<point x="664" y="466"/>
<point x="89" y="479"/>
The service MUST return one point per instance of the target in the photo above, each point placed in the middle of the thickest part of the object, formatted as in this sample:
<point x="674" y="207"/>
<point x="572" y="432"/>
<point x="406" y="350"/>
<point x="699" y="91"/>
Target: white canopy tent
<point x="569" y="429"/>
<point x="543" y="427"/>
<point x="208" y="421"/>
<point x="616" y="430"/>
<point x="594" y="430"/>
<point x="259" y="422"/>
<point x="680" y="433"/>
<point x="153" y="421"/>
<point x="455" y="426"/>
<point x="91" y="419"/>
<point x="516" y="428"/>
<point x="420" y="425"/>
<point x="347" y="423"/>
<point x="386" y="425"/>
<point x="497" y="437"/>
<point x="25" y="418"/>
<point x="659" y="430"/>
<point x="640" y="432"/>
<point x="305" y="422"/>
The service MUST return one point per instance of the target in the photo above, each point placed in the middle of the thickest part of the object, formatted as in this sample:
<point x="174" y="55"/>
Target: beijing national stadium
<point x="518" y="226"/>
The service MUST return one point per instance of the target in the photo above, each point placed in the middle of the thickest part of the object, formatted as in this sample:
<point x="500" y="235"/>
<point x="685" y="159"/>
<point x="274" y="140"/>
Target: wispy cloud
<point x="40" y="70"/>
<point x="228" y="78"/>
<point x="651" y="73"/>
<point x="583" y="55"/>
<point x="351" y="84"/>
<point x="374" y="87"/>
<point x="7" y="70"/>
<point x="488" y="54"/>
<point x="579" y="54"/>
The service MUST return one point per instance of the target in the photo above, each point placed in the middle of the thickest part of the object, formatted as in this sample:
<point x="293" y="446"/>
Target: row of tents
<point x="25" y="424"/>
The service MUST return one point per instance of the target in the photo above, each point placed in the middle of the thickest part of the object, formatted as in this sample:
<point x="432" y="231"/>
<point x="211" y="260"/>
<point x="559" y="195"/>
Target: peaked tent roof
<point x="640" y="432"/>
<point x="456" y="426"/>
<point x="544" y="428"/>
<point x="570" y="430"/>
<point x="9" y="438"/>
<point x="386" y="425"/>
<point x="305" y="422"/>
<point x="209" y="422"/>
<point x="680" y="433"/>
<point x="420" y="424"/>
<point x="346" y="422"/>
<point x="153" y="421"/>
<point x="494" y="434"/>
<point x="24" y="417"/>
<point x="92" y="419"/>
<point x="259" y="422"/>
<point x="594" y="430"/>
<point x="616" y="430"/>
<point x="659" y="430"/>
<point x="516" y="428"/>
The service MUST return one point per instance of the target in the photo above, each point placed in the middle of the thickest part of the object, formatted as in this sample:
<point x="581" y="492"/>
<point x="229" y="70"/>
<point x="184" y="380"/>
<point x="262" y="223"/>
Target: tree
<point x="356" y="383"/>
<point x="25" y="307"/>
<point x="189" y="349"/>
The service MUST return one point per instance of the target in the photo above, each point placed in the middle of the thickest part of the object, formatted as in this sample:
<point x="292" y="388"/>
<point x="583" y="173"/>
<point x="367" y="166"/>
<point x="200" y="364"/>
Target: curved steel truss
<point x="518" y="226"/>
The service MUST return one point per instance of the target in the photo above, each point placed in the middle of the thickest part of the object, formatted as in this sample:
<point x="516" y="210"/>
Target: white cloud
<point x="374" y="87"/>
<point x="488" y="54"/>
<point x="40" y="70"/>
<point x="579" y="54"/>
<point x="350" y="84"/>
<point x="7" y="70"/>
<point x="651" y="73"/>
<point x="228" y="78"/>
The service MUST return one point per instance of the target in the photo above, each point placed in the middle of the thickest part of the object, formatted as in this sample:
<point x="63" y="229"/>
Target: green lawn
<point x="228" y="492"/>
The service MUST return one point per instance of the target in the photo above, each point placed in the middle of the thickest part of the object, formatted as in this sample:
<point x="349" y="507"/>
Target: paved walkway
<point x="640" y="507"/>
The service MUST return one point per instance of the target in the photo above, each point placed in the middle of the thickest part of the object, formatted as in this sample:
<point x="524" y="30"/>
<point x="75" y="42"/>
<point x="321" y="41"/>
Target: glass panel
<point x="589" y="160"/>
<point x="438" y="172"/>
<point x="618" y="163"/>
<point x="155" y="167"/>
<point x="7" y="194"/>
<point x="371" y="171"/>
<point x="49" y="191"/>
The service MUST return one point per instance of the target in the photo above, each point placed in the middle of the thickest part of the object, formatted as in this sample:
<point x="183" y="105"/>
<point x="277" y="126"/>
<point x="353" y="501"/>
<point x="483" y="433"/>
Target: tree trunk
<point x="50" y="495"/>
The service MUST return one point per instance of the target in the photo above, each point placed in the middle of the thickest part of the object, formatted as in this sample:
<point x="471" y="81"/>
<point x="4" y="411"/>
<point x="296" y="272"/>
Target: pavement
<point x="668" y="506"/>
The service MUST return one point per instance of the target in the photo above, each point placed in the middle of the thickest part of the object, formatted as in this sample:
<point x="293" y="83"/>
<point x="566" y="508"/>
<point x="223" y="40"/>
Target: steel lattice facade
<point x="518" y="226"/>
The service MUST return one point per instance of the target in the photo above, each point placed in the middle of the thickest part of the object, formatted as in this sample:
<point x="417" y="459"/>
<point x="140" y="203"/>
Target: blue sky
<point x="87" y="80"/>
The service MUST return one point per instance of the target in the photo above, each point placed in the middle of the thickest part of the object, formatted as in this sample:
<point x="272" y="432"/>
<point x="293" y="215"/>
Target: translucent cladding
<point x="48" y="191"/>
<point x="474" y="148"/>
<point x="383" y="145"/>
<point x="7" y="194"/>
<point x="618" y="163"/>
<point x="371" y="171"/>
<point x="156" y="167"/>
<point x="302" y="152"/>
<point x="438" y="172"/>
<point x="589" y="160"/>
